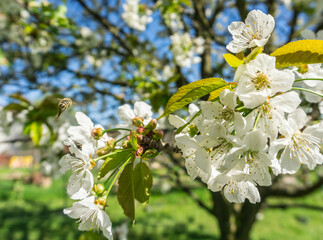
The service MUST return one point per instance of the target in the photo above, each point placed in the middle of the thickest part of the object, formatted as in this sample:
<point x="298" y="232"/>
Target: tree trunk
<point x="222" y="211"/>
<point x="245" y="220"/>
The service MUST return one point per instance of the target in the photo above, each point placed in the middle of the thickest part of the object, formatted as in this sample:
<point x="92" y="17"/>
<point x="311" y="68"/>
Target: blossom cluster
<point x="136" y="16"/>
<point x="256" y="129"/>
<point x="88" y="144"/>
<point x="185" y="49"/>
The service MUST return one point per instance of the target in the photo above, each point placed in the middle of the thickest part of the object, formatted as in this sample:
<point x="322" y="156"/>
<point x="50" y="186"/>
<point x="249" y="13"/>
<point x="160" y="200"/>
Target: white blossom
<point x="299" y="147"/>
<point x="185" y="49"/>
<point x="81" y="181"/>
<point x="135" y="17"/>
<point x="91" y="216"/>
<point x="255" y="32"/>
<point x="313" y="71"/>
<point x="251" y="158"/>
<point x="126" y="114"/>
<point x="83" y="134"/>
<point x="270" y="114"/>
<point x="237" y="187"/>
<point x="259" y="79"/>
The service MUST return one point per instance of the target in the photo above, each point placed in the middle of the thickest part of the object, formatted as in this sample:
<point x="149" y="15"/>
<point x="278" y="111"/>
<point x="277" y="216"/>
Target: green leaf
<point x="115" y="160"/>
<point x="15" y="107"/>
<point x="150" y="153"/>
<point x="20" y="97"/>
<point x="254" y="53"/>
<point x="133" y="140"/>
<point x="142" y="181"/>
<point x="232" y="60"/>
<point x="35" y="132"/>
<point x="125" y="193"/>
<point x="180" y="129"/>
<point x="191" y="92"/>
<point x="215" y="94"/>
<point x="299" y="53"/>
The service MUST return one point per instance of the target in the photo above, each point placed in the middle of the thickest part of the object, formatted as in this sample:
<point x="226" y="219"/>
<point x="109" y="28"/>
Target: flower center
<point x="261" y="81"/>
<point x="227" y="114"/>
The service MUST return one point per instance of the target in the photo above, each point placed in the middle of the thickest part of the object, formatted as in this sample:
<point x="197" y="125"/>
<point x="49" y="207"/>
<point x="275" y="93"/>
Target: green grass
<point x="29" y="212"/>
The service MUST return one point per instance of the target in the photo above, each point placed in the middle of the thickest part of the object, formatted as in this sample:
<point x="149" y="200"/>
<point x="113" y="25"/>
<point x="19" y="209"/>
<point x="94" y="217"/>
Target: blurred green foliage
<point x="29" y="212"/>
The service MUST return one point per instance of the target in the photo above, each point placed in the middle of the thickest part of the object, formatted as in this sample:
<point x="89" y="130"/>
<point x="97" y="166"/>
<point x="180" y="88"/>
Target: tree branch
<point x="294" y="205"/>
<point x="276" y="191"/>
<point x="110" y="27"/>
<point x="98" y="78"/>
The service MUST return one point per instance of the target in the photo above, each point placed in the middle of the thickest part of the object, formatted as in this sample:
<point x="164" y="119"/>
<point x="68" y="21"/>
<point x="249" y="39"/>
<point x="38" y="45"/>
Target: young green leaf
<point x="36" y="132"/>
<point x="232" y="60"/>
<point x="114" y="161"/>
<point x="180" y="129"/>
<point x="133" y="140"/>
<point x="125" y="193"/>
<point x="142" y="181"/>
<point x="215" y="94"/>
<point x="254" y="53"/>
<point x="299" y="53"/>
<point x="15" y="107"/>
<point x="191" y="92"/>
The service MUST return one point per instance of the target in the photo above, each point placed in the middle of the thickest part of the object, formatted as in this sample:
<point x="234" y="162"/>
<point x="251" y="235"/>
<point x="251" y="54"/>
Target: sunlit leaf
<point x="299" y="53"/>
<point x="232" y="60"/>
<point x="36" y="132"/>
<point x="191" y="92"/>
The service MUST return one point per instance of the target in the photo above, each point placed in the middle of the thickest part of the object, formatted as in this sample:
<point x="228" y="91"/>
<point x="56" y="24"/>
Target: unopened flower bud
<point x="104" y="150"/>
<point x="140" y="138"/>
<point x="101" y="202"/>
<point x="138" y="122"/>
<point x="98" y="188"/>
<point x="158" y="134"/>
<point x="140" y="130"/>
<point x="97" y="133"/>
<point x="150" y="153"/>
<point x="111" y="143"/>
<point x="139" y="151"/>
<point x="303" y="68"/>
<point x="126" y="144"/>
<point x="152" y="124"/>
